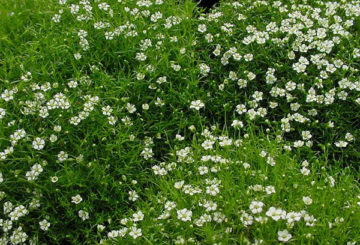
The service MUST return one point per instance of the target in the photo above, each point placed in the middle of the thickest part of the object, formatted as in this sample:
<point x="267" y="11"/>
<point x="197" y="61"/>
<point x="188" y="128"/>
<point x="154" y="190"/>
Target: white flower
<point x="44" y="225"/>
<point x="83" y="215"/>
<point x="270" y="189"/>
<point x="284" y="236"/>
<point x="256" y="207"/>
<point x="141" y="56"/>
<point x="112" y="120"/>
<point x="18" y="212"/>
<point x="293" y="216"/>
<point x="341" y="144"/>
<point x="72" y="84"/>
<point x="203" y="170"/>
<point x="100" y="227"/>
<point x="76" y="199"/>
<point x="204" y="69"/>
<point x="7" y="95"/>
<point x="248" y="57"/>
<point x="34" y="173"/>
<point x="276" y="213"/>
<point x="307" y="200"/>
<point x="212" y="190"/>
<point x="107" y="110"/>
<point x="54" y="179"/>
<point x="184" y="214"/>
<point x="135" y="232"/>
<point x="133" y="196"/>
<point x="207" y="144"/>
<point x="179" y="185"/>
<point x="210" y="206"/>
<point x="237" y="124"/>
<point x="38" y="143"/>
<point x="62" y="156"/>
<point x="306" y="135"/>
<point x="349" y="137"/>
<point x="77" y="56"/>
<point x="18" y="236"/>
<point x="202" y="28"/>
<point x="2" y="113"/>
<point x="169" y="205"/>
<point x="113" y="234"/>
<point x="246" y="219"/>
<point x="219" y="217"/>
<point x="138" y="216"/>
<point x="197" y="105"/>
<point x="270" y="161"/>
<point x="145" y="107"/>
<point x="130" y="107"/>
<point x="305" y="171"/>
<point x="57" y="128"/>
<point x="53" y="138"/>
<point x="179" y="137"/>
<point x="147" y="153"/>
<point x="104" y="6"/>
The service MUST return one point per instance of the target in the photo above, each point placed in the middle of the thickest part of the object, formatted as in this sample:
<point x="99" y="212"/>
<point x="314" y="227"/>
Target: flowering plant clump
<point x="151" y="122"/>
<point x="277" y="202"/>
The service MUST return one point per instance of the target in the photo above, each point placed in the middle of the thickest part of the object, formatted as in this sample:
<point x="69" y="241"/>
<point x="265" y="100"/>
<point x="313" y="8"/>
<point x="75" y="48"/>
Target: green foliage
<point x="105" y="105"/>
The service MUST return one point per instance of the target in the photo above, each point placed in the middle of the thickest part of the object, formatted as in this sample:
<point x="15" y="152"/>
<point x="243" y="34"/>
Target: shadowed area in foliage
<point x="208" y="4"/>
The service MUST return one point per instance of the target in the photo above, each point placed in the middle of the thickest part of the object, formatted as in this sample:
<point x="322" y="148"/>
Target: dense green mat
<point x="150" y="122"/>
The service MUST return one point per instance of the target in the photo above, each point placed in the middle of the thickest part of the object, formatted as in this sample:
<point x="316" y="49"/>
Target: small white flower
<point x="72" y="84"/>
<point x="179" y="137"/>
<point x="305" y="171"/>
<point x="130" y="107"/>
<point x="53" y="138"/>
<point x="197" y="105"/>
<point x="270" y="189"/>
<point x="141" y="56"/>
<point x="237" y="124"/>
<point x="307" y="200"/>
<point x="133" y="196"/>
<point x="62" y="156"/>
<point x="341" y="144"/>
<point x="112" y="120"/>
<point x="203" y="170"/>
<point x="212" y="190"/>
<point x="204" y="69"/>
<point x="248" y="57"/>
<point x="100" y="227"/>
<point x="207" y="144"/>
<point x="77" y="56"/>
<point x="179" y="185"/>
<point x="292" y="217"/>
<point x="76" y="199"/>
<point x="145" y="107"/>
<point x="284" y="236"/>
<point x="44" y="225"/>
<point x="202" y="28"/>
<point x="139" y="216"/>
<point x="2" y="113"/>
<point x="83" y="215"/>
<point x="184" y="214"/>
<point x="135" y="232"/>
<point x="349" y="137"/>
<point x="54" y="179"/>
<point x="256" y="207"/>
<point x="38" y="143"/>
<point x="276" y="213"/>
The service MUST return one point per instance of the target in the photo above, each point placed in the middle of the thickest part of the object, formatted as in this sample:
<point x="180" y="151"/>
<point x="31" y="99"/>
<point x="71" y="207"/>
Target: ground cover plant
<point x="152" y="122"/>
